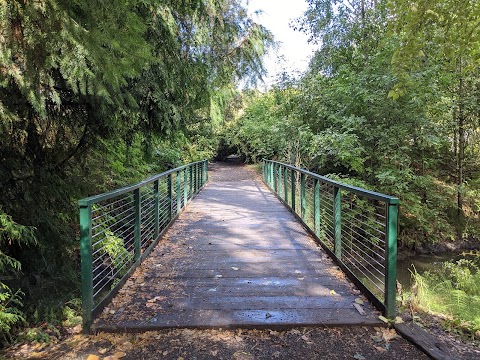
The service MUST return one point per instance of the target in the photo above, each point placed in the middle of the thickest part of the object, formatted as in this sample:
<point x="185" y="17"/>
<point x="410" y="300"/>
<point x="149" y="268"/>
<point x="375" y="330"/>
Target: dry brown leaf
<point x="93" y="357"/>
<point x="389" y="334"/>
<point x="102" y="351"/>
<point x="119" y="354"/>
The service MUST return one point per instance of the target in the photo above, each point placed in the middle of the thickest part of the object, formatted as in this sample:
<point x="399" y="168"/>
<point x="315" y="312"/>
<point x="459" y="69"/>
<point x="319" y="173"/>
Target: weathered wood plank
<point x="423" y="340"/>
<point x="262" y="318"/>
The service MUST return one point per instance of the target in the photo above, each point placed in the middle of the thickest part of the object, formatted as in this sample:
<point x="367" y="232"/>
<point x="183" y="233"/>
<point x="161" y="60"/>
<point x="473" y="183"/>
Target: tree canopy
<point x="97" y="94"/>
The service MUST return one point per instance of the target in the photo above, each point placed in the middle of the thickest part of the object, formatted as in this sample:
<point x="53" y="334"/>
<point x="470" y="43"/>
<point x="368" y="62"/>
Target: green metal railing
<point x="357" y="227"/>
<point x="118" y="229"/>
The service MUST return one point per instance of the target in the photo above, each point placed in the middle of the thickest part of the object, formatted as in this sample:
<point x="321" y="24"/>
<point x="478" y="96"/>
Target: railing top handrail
<point x="114" y="193"/>
<point x="372" y="194"/>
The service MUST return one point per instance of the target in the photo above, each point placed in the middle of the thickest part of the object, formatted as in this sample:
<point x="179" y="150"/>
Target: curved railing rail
<point x="118" y="229"/>
<point x="357" y="227"/>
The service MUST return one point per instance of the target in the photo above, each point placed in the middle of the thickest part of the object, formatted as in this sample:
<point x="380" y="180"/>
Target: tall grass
<point x="453" y="291"/>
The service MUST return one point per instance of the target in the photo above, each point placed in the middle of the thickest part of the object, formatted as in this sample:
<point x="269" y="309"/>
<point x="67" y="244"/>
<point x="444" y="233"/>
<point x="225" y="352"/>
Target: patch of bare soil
<point x="301" y="343"/>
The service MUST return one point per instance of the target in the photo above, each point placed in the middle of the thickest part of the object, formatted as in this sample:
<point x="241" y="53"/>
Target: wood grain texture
<point x="236" y="258"/>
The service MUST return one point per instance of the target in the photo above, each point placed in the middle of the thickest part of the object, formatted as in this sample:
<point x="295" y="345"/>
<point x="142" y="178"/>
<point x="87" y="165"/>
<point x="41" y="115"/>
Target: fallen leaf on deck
<point x="398" y="320"/>
<point x="359" y="301"/>
<point x="234" y="268"/>
<point x="93" y="357"/>
<point x="359" y="356"/>
<point x="332" y="292"/>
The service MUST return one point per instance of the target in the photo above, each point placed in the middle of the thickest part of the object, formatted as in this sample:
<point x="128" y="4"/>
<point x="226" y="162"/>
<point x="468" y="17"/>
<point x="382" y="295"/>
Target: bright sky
<point x="294" y="51"/>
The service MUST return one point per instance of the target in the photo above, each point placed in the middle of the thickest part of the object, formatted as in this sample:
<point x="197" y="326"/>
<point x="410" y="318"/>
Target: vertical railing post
<point x="303" y="199"/>
<point x="205" y="169"/>
<point x="195" y="187"/>
<point x="190" y="171"/>
<point x="266" y="171"/>
<point x="316" y="207"/>
<point x="275" y="177"/>
<point x="156" y="210"/>
<point x="138" y="221"/>
<point x="87" y="264"/>
<point x="170" y="197"/>
<point x="279" y="181"/>
<point x="391" y="257"/>
<point x="271" y="175"/>
<point x="285" y="185"/>
<point x="199" y="177"/>
<point x="337" y="217"/>
<point x="178" y="192"/>
<point x="185" y="186"/>
<point x="294" y="190"/>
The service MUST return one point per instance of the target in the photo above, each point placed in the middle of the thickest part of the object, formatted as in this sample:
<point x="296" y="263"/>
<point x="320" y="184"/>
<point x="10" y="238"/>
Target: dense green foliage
<point x="386" y="104"/>
<point x="453" y="291"/>
<point x="94" y="95"/>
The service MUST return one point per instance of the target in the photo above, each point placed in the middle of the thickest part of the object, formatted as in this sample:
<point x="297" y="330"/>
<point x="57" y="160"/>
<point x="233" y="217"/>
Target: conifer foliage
<point x="82" y="85"/>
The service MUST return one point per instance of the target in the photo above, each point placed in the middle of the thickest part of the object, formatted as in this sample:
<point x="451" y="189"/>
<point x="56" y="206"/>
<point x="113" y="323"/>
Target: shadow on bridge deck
<point x="235" y="258"/>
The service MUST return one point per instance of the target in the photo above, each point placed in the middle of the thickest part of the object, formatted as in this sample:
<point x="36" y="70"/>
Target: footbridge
<point x="226" y="247"/>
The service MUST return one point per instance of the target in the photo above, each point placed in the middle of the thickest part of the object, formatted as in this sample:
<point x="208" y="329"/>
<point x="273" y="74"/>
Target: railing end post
<point x="391" y="258"/>
<point x="86" y="264"/>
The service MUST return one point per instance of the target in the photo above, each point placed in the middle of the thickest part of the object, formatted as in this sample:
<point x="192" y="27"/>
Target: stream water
<point x="424" y="263"/>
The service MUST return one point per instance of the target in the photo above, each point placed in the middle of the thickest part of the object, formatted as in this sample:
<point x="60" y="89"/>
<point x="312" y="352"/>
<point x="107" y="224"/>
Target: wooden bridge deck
<point x="235" y="258"/>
